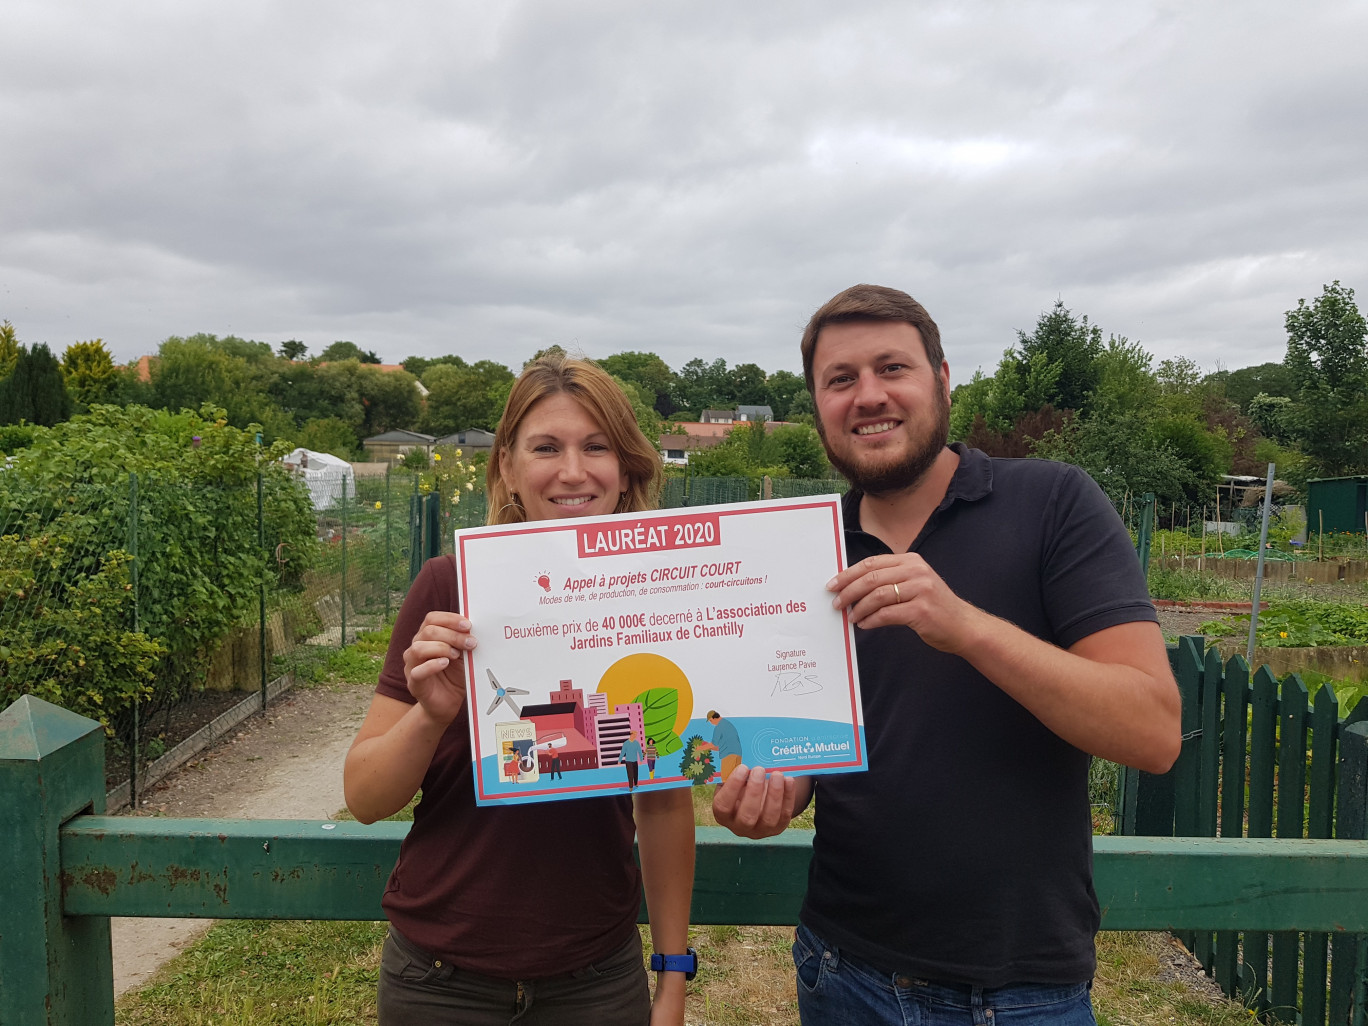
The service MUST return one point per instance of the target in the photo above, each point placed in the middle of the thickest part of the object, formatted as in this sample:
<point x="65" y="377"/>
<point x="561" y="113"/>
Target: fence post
<point x="415" y="531"/>
<point x="54" y="969"/>
<point x="1347" y="981"/>
<point x="137" y="626"/>
<point x="432" y="526"/>
<point x="388" y="556"/>
<point x="261" y="598"/>
<point x="1145" y="532"/>
<point x="342" y="643"/>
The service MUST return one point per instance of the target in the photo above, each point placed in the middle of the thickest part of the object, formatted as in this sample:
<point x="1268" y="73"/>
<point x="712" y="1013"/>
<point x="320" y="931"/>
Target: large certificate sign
<point x="656" y="650"/>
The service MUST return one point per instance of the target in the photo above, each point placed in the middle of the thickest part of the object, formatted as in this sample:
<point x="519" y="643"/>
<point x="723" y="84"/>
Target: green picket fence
<point x="1262" y="758"/>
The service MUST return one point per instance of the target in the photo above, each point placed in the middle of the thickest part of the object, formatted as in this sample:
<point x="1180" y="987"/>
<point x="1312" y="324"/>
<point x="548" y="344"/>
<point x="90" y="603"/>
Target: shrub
<point x="200" y="565"/>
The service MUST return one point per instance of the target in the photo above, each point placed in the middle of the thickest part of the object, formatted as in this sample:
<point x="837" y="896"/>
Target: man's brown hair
<point x="871" y="303"/>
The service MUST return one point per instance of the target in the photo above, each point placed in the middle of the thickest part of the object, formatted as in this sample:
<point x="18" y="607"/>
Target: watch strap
<point x="686" y="963"/>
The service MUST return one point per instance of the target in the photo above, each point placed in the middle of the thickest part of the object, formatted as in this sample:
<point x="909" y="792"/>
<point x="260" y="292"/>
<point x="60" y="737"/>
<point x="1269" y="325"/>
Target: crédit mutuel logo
<point x="772" y="744"/>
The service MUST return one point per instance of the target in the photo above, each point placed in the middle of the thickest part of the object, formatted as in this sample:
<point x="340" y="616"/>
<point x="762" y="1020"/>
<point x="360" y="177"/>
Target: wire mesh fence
<point x="121" y="600"/>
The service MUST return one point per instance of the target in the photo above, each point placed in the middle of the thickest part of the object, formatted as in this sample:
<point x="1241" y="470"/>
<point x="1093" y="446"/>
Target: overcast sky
<point x="689" y="178"/>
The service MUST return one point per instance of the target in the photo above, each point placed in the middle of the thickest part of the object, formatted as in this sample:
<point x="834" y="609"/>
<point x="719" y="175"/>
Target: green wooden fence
<point x="1261" y="759"/>
<point x="65" y="869"/>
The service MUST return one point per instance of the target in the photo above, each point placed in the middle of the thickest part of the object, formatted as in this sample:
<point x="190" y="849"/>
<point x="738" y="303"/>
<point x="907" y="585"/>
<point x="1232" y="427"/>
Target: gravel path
<point x="286" y="765"/>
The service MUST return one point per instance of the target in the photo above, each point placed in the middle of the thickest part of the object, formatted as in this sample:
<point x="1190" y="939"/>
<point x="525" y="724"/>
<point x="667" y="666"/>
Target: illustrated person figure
<point x="555" y="764"/>
<point x="726" y="742"/>
<point x="651" y="755"/>
<point x="630" y="756"/>
<point x="1004" y="635"/>
<point x="566" y="446"/>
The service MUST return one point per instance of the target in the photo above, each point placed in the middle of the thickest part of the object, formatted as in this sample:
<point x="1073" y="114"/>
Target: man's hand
<point x="751" y="804"/>
<point x="902" y="589"/>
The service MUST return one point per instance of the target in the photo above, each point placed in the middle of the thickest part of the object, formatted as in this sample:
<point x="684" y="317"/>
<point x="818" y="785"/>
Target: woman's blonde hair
<point x="593" y="389"/>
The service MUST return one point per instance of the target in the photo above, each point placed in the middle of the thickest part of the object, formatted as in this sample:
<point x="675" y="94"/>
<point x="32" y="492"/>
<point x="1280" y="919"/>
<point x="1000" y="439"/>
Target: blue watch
<point x="686" y="964"/>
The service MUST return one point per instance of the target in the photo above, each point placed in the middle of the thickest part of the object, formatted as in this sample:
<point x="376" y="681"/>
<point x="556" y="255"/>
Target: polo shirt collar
<point x="972" y="480"/>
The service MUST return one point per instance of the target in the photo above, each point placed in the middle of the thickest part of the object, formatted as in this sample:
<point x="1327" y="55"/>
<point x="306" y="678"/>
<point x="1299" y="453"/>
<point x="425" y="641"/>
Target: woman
<point x="528" y="912"/>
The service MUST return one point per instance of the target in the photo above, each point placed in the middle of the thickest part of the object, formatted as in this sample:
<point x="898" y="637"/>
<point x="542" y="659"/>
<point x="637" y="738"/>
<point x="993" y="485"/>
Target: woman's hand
<point x="434" y="664"/>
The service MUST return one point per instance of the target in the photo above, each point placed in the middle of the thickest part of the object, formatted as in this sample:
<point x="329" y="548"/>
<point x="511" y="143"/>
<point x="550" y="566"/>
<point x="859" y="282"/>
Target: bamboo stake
<point x="1201" y="560"/>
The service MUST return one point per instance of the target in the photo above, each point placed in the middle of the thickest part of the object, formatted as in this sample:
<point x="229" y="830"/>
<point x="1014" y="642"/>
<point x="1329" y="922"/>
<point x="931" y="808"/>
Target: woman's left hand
<point x="667" y="1008"/>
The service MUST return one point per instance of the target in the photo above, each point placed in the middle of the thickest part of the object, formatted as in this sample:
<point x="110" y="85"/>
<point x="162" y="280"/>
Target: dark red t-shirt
<point x="517" y="892"/>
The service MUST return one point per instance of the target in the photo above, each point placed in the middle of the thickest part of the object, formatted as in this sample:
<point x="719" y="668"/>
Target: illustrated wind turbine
<point x="501" y="694"/>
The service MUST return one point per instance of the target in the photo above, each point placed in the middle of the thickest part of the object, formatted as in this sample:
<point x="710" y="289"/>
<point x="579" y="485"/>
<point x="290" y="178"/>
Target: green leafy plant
<point x="697" y="763"/>
<point x="200" y="565"/>
<point x="659" y="706"/>
<point x="1300" y="624"/>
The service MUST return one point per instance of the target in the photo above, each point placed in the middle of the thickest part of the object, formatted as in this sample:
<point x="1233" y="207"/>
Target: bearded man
<point x="1004" y="636"/>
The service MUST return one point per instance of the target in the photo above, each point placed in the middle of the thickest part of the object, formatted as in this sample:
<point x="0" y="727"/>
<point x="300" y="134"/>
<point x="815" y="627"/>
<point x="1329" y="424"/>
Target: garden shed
<point x="1342" y="501"/>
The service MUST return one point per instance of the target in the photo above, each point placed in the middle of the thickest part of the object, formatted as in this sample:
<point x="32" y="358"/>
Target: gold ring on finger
<point x="896" y="591"/>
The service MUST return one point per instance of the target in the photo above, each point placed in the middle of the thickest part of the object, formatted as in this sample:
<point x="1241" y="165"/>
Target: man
<point x="726" y="742"/>
<point x="630" y="756"/>
<point x="1004" y="633"/>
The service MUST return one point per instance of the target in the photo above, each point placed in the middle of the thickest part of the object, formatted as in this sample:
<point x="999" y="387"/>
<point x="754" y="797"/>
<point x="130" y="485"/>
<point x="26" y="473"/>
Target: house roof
<point x="471" y="436"/>
<point x="400" y="435"/>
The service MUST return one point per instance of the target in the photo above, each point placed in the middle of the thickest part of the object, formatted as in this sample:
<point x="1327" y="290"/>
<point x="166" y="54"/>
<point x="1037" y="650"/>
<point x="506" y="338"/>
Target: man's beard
<point x="902" y="474"/>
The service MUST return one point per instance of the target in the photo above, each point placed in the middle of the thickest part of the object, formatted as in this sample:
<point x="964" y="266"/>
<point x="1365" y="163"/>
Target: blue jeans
<point x="836" y="990"/>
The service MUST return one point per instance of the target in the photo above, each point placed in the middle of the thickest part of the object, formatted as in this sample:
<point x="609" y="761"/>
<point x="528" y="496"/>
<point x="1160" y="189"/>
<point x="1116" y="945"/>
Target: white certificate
<point x="661" y="649"/>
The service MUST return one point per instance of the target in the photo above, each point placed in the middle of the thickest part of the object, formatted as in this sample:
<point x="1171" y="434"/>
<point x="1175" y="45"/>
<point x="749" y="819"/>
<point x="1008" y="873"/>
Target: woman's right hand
<point x="434" y="664"/>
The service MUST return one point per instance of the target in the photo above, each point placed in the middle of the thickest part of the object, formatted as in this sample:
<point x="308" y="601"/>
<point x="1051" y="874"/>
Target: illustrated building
<point x="566" y="716"/>
<point x="614" y="730"/>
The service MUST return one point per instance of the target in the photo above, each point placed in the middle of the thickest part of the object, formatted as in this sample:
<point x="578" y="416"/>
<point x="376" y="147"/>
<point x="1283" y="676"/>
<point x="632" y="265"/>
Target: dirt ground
<point x="1177" y="622"/>
<point x="286" y="765"/>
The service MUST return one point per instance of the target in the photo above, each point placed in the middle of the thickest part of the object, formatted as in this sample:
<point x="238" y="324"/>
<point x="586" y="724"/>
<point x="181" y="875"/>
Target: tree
<point x="343" y="350"/>
<point x="231" y="373"/>
<point x="800" y="450"/>
<point x="1125" y="384"/>
<point x="747" y="385"/>
<point x="390" y="399"/>
<point x="89" y="373"/>
<point x="649" y="373"/>
<point x="1271" y="379"/>
<point x="1070" y="345"/>
<point x="293" y="349"/>
<point x="9" y="349"/>
<point x="1328" y="360"/>
<point x="460" y="398"/>
<point x="34" y="391"/>
<point x="703" y="386"/>
<point x="784" y="387"/>
<point x="328" y="434"/>
<point x="418" y="365"/>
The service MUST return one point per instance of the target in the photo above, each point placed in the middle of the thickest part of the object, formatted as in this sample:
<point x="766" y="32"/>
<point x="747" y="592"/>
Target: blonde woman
<point x="489" y="923"/>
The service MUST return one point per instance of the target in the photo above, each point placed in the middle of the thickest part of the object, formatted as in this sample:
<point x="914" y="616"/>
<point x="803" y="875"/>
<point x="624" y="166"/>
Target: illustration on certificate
<point x="657" y="650"/>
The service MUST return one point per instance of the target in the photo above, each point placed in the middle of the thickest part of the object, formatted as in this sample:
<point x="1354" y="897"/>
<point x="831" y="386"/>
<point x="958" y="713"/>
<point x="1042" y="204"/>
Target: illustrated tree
<point x="696" y="764"/>
<point x="34" y="391"/>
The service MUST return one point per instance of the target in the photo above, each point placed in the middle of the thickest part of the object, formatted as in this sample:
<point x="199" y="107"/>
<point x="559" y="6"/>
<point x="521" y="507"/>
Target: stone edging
<point x="1242" y="607"/>
<point x="117" y="799"/>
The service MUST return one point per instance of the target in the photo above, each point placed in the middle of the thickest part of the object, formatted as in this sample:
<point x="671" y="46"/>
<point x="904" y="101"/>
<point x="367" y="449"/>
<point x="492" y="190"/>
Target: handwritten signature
<point x="795" y="683"/>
